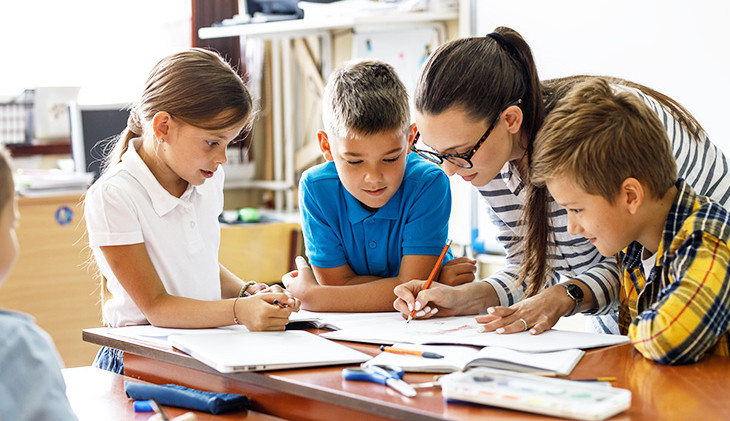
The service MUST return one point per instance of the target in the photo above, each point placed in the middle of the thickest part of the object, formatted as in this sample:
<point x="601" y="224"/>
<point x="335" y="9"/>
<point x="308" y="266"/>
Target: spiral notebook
<point x="260" y="351"/>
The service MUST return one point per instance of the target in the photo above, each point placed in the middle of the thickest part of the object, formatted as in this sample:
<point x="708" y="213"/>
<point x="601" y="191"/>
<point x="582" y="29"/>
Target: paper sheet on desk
<point x="462" y="330"/>
<point x="158" y="335"/>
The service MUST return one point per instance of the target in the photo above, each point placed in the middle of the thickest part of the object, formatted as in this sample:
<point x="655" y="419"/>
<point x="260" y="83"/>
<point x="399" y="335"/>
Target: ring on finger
<point x="525" y="323"/>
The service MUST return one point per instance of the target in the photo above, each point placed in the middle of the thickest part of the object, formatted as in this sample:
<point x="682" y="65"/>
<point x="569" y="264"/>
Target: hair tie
<point x="133" y="123"/>
<point x="511" y="50"/>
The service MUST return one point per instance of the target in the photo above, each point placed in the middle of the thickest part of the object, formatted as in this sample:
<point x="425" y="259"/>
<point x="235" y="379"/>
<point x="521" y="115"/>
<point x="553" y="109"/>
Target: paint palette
<point x="530" y="393"/>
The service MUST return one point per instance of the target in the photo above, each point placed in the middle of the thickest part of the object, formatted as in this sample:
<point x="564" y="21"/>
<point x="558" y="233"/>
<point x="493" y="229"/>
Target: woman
<point x="479" y="106"/>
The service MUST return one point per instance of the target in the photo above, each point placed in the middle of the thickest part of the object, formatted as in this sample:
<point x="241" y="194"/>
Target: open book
<point x="457" y="358"/>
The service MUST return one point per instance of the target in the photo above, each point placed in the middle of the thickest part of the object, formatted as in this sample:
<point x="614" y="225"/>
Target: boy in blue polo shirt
<point x="373" y="216"/>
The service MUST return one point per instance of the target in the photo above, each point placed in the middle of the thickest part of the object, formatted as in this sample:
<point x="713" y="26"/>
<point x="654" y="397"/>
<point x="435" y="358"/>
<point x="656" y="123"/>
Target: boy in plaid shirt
<point x="606" y="158"/>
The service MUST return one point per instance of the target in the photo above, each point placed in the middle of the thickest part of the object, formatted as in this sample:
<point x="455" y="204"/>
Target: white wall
<point x="678" y="47"/>
<point x="107" y="47"/>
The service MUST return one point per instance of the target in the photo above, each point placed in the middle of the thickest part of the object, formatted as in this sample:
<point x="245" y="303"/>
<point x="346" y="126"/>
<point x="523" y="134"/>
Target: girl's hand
<point x="259" y="312"/>
<point x="458" y="271"/>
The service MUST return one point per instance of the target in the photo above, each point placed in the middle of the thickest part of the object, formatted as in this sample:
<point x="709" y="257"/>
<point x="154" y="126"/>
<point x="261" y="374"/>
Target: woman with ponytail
<point x="479" y="107"/>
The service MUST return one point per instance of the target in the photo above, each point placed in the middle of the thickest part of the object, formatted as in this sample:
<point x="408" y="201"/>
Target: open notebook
<point x="457" y="358"/>
<point x="259" y="351"/>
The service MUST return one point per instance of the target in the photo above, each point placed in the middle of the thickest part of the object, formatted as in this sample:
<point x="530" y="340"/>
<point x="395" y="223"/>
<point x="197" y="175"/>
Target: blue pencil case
<point x="185" y="397"/>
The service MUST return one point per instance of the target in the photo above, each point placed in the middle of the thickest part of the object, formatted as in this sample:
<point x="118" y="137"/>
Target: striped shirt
<point x="683" y="310"/>
<point x="701" y="164"/>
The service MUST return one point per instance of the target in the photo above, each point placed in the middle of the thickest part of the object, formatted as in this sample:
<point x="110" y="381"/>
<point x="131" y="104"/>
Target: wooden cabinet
<point x="54" y="277"/>
<point x="50" y="280"/>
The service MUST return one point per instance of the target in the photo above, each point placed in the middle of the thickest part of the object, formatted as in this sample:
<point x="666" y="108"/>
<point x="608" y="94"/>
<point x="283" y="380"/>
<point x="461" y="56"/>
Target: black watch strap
<point x="576" y="294"/>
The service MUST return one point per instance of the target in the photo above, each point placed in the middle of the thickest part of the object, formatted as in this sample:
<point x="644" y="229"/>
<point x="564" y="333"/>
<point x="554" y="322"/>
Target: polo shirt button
<point x="192" y="224"/>
<point x="372" y="244"/>
<point x="370" y="221"/>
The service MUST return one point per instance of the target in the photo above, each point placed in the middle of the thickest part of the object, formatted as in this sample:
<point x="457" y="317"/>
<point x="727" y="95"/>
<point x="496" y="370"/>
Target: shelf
<point x="304" y="27"/>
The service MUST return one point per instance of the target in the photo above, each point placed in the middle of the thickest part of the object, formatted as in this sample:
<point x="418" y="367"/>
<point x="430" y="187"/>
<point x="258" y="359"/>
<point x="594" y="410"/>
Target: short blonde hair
<point x="600" y="137"/>
<point x="7" y="186"/>
<point x="364" y="97"/>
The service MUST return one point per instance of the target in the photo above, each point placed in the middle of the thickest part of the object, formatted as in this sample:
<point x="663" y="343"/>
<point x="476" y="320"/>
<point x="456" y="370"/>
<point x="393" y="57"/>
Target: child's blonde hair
<point x="600" y="137"/>
<point x="364" y="97"/>
<point x="195" y="86"/>
<point x="7" y="187"/>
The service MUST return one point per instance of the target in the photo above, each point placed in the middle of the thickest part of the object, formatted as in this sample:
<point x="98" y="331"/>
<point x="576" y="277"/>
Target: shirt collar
<point x="162" y="201"/>
<point x="681" y="209"/>
<point x="357" y="213"/>
<point x="511" y="177"/>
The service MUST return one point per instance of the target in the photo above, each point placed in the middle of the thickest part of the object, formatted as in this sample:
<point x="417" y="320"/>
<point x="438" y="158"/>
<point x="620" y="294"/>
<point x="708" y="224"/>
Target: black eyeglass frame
<point x="454" y="158"/>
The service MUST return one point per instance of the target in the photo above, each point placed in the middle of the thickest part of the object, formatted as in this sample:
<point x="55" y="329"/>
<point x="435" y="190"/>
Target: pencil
<point x="432" y="275"/>
<point x="424" y="354"/>
<point x="596" y="379"/>
<point x="280" y="304"/>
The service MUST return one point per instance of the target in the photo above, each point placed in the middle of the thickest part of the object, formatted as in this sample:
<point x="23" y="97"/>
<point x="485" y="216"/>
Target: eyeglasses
<point x="462" y="160"/>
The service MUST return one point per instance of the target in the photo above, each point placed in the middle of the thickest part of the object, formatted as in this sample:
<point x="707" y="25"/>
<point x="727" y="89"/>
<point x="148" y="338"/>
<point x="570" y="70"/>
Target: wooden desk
<point x="97" y="394"/>
<point x="696" y="391"/>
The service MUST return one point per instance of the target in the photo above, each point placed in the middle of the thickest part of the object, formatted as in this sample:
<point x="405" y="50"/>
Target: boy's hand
<point x="259" y="312"/>
<point x="300" y="281"/>
<point x="438" y="298"/>
<point x="458" y="271"/>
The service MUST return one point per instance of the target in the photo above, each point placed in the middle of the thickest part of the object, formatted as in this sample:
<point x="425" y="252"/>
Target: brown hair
<point x="482" y="76"/>
<point x="7" y="187"/>
<point x="598" y="136"/>
<point x="364" y="97"/>
<point x="195" y="86"/>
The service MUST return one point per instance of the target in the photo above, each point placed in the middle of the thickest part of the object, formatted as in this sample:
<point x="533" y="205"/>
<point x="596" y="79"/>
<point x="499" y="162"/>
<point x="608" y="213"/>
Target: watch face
<point x="575" y="292"/>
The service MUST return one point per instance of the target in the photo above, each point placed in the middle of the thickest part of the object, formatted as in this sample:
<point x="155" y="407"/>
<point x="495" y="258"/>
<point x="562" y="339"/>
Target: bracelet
<point x="244" y="292"/>
<point x="235" y="319"/>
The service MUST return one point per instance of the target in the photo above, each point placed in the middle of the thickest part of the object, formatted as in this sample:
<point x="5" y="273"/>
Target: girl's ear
<point x="161" y="123"/>
<point x="513" y="117"/>
<point x="632" y="195"/>
<point x="324" y="145"/>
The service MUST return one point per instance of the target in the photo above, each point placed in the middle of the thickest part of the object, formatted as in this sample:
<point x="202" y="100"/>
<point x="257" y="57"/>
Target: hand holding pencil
<point x="431" y="277"/>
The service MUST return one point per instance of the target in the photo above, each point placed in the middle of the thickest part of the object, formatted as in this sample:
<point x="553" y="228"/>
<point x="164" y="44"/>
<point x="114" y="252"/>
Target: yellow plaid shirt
<point x="683" y="310"/>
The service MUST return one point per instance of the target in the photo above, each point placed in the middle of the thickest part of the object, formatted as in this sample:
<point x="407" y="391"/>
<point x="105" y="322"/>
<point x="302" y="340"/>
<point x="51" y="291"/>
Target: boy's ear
<point x="632" y="194"/>
<point x="324" y="145"/>
<point x="411" y="137"/>
<point x="513" y="116"/>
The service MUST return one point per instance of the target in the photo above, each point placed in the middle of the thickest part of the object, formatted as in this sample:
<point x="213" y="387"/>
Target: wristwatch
<point x="575" y="294"/>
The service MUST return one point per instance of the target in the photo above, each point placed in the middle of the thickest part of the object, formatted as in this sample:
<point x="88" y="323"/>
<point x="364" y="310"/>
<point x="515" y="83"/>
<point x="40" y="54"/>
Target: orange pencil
<point x="432" y="275"/>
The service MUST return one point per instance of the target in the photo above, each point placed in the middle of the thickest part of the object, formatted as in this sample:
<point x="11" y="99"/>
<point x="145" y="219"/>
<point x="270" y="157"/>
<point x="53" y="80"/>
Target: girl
<point x="480" y="118"/>
<point x="152" y="218"/>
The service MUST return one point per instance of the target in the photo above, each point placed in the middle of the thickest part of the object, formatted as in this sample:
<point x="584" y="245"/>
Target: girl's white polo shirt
<point x="182" y="235"/>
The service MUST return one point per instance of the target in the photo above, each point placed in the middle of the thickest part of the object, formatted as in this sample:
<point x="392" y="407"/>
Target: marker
<point x="432" y="275"/>
<point x="424" y="354"/>
<point x="596" y="379"/>
<point x="278" y="303"/>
